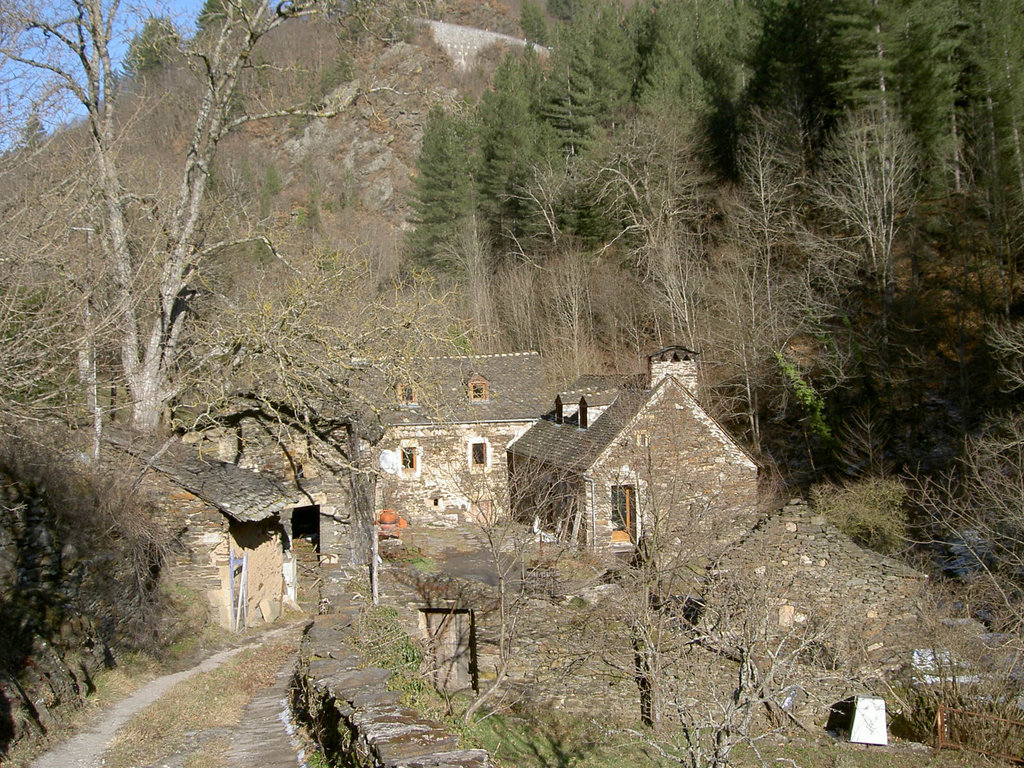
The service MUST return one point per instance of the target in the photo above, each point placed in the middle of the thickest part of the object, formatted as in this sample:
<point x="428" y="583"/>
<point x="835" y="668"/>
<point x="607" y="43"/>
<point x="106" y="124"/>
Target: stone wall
<point x="445" y="485"/>
<point x="869" y="601"/>
<point x="695" y="489"/>
<point x="348" y="707"/>
<point x="463" y="44"/>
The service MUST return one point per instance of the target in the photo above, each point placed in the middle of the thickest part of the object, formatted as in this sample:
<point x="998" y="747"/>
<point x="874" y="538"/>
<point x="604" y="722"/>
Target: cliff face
<point x="77" y="583"/>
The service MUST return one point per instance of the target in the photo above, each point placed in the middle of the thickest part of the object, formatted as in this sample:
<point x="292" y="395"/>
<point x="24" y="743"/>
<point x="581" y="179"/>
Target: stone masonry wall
<point x="693" y="484"/>
<point x="349" y="707"/>
<point x="869" y="600"/>
<point x="445" y="486"/>
<point x="463" y="44"/>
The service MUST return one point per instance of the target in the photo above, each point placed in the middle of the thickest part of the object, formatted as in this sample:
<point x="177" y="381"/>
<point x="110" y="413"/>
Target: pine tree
<point x="798" y="68"/>
<point x="513" y="143"/>
<point x="533" y="24"/>
<point x="153" y="48"/>
<point x="444" y="187"/>
<point x="927" y="74"/>
<point x="591" y="76"/>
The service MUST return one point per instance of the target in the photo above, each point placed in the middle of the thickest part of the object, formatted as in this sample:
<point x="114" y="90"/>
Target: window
<point x="478" y="454"/>
<point x="624" y="510"/>
<point x="410" y="458"/>
<point x="478" y="389"/>
<point x="643" y="440"/>
<point x="406" y="394"/>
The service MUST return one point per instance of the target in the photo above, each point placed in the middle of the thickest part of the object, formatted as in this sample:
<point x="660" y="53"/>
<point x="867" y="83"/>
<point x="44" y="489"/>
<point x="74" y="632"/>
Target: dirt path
<point x="85" y="750"/>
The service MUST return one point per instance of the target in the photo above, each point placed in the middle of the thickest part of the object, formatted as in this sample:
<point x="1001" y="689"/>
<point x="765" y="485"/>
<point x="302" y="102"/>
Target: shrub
<point x="872" y="512"/>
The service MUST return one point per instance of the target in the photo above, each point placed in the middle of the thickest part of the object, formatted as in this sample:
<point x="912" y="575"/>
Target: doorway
<point x="451" y="642"/>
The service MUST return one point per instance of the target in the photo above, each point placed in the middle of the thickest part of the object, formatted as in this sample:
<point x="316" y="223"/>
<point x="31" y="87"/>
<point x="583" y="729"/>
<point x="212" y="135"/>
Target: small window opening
<point x="478" y="389"/>
<point x="643" y="440"/>
<point x="478" y="454"/>
<point x="409" y="458"/>
<point x="406" y="394"/>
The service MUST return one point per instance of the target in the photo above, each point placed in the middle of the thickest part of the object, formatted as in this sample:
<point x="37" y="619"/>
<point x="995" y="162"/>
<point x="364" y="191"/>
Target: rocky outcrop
<point x="348" y="706"/>
<point x="78" y="564"/>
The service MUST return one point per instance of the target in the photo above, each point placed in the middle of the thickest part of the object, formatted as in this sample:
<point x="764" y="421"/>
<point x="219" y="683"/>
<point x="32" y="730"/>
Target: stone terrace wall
<point x="356" y="715"/>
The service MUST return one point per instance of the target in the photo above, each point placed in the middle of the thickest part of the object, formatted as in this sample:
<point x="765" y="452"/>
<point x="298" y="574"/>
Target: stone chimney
<point x="673" y="361"/>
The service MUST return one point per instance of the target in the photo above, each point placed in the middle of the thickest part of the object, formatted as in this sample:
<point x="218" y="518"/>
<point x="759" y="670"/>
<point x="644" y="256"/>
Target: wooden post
<point x="374" y="557"/>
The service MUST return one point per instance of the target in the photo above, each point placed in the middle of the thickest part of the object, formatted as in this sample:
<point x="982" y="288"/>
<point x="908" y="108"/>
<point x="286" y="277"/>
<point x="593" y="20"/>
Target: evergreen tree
<point x="32" y="133"/>
<point x="590" y="78"/>
<point x="865" y="31"/>
<point x="928" y="74"/>
<point x="215" y="12"/>
<point x="563" y="9"/>
<point x="513" y="143"/>
<point x="153" y="48"/>
<point x="533" y="24"/>
<point x="798" y="68"/>
<point x="444" y="186"/>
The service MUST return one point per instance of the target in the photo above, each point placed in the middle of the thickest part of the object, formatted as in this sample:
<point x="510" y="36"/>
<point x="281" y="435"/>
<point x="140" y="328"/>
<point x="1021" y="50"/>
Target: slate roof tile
<point x="241" y="494"/>
<point x="516" y="391"/>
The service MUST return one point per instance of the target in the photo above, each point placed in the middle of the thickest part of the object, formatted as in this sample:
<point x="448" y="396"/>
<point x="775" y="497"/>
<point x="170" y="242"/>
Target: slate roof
<point x="239" y="493"/>
<point x="567" y="446"/>
<point x="516" y="391"/>
<point x="599" y="390"/>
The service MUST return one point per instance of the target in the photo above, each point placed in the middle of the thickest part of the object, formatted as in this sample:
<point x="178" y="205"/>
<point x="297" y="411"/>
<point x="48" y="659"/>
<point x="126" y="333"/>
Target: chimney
<point x="673" y="361"/>
<point x="559" y="418"/>
<point x="583" y="413"/>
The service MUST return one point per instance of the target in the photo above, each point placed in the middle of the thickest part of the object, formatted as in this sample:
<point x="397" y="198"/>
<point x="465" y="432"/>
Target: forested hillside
<point x="823" y="198"/>
<point x="235" y="215"/>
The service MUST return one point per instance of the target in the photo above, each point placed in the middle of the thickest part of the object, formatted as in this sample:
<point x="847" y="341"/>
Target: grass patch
<point x="214" y="699"/>
<point x="385" y="643"/>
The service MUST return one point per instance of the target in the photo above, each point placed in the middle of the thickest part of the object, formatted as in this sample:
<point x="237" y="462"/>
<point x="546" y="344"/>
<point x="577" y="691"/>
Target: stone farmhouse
<point x="442" y="454"/>
<point x="618" y="461"/>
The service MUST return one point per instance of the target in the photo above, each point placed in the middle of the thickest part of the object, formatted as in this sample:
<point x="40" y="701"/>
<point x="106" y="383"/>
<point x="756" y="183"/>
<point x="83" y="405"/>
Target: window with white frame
<point x="479" y="454"/>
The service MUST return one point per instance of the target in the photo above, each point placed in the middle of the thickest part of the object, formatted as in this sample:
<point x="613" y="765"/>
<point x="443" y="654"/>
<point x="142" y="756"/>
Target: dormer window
<point x="406" y="394"/>
<point x="478" y="389"/>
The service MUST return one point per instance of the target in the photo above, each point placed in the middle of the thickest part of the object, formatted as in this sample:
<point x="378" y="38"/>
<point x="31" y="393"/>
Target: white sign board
<point x="869" y="721"/>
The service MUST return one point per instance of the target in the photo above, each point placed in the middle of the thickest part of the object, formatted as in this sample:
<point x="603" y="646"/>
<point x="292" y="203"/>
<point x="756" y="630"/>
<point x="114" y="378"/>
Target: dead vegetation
<point x="194" y="717"/>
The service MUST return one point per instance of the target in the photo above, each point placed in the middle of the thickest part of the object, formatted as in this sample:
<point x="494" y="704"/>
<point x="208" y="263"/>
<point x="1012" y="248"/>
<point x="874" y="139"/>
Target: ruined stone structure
<point x="620" y="461"/>
<point x="869" y="600"/>
<point x="464" y="44"/>
<point x="355" y="715"/>
<point x="442" y="458"/>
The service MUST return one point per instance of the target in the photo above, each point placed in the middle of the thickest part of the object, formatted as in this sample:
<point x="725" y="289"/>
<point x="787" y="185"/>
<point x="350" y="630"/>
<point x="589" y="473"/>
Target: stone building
<point x="236" y="528"/>
<point x="619" y="461"/>
<point x="442" y="457"/>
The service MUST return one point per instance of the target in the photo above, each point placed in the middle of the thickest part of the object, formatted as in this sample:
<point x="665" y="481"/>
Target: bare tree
<point x="868" y="186"/>
<point x="653" y="183"/>
<point x="61" y="55"/>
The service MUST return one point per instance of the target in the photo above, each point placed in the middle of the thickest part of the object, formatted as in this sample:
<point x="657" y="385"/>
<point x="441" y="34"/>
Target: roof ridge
<point x="528" y="353"/>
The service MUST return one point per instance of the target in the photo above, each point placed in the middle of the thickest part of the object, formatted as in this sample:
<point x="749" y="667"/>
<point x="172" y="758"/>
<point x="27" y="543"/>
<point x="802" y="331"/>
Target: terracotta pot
<point x="388" y="517"/>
